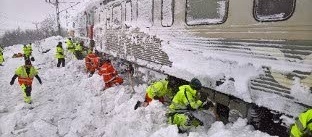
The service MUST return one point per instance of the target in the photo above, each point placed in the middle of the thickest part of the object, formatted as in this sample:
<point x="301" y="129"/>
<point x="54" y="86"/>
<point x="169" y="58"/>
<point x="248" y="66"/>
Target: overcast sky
<point x="23" y="13"/>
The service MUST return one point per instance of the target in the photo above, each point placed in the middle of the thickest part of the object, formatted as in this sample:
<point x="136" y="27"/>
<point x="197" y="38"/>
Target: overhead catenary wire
<point x="57" y="8"/>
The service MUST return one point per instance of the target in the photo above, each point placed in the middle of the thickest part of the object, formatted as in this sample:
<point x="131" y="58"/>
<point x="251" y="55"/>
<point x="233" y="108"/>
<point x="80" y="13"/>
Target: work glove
<point x="12" y="82"/>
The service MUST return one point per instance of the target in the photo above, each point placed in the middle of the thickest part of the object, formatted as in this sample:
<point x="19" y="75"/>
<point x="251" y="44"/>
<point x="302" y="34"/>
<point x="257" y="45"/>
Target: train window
<point x="145" y="12"/>
<point x="128" y="12"/>
<point x="167" y="13"/>
<point x="116" y="16"/>
<point x="273" y="10"/>
<point x="202" y="12"/>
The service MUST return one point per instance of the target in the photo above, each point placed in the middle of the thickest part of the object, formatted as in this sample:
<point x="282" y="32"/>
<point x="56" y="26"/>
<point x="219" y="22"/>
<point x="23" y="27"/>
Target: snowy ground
<point x="70" y="104"/>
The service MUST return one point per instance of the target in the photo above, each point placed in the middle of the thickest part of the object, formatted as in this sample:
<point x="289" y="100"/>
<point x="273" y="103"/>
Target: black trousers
<point x="60" y="61"/>
<point x="28" y="91"/>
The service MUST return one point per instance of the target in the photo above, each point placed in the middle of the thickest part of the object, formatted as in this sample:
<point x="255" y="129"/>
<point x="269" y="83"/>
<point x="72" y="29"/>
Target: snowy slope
<point x="70" y="104"/>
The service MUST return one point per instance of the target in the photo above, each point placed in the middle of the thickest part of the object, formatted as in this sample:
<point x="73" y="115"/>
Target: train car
<point x="272" y="37"/>
<point x="83" y="25"/>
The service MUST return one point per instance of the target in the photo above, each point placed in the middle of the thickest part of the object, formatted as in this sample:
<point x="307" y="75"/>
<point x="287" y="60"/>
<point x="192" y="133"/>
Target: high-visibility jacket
<point x="59" y="52"/>
<point x="303" y="125"/>
<point x="157" y="90"/>
<point x="70" y="45"/>
<point x="27" y="51"/>
<point x="29" y="47"/>
<point x="23" y="77"/>
<point x="110" y="75"/>
<point x="92" y="62"/>
<point x="185" y="99"/>
<point x="78" y="47"/>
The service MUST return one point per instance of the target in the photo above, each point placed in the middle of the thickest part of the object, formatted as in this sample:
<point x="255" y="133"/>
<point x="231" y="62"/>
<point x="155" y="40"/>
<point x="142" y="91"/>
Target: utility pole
<point x="58" y="17"/>
<point x="56" y="4"/>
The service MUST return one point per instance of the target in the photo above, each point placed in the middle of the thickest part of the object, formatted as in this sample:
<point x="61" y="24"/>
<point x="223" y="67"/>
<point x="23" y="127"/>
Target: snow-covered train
<point x="253" y="56"/>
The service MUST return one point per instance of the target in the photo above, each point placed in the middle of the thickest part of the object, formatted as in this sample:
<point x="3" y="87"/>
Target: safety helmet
<point x="195" y="84"/>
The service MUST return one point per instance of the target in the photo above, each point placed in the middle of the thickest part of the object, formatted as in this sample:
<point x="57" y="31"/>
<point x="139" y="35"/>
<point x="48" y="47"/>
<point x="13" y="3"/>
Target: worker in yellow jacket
<point x="25" y="75"/>
<point x="303" y="125"/>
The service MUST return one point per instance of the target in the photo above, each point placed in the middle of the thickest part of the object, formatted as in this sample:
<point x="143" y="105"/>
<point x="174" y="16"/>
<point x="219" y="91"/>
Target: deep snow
<point x="70" y="104"/>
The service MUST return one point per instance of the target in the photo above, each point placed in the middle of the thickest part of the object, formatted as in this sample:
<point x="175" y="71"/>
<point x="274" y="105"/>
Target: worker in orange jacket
<point x="110" y="75"/>
<point x="92" y="62"/>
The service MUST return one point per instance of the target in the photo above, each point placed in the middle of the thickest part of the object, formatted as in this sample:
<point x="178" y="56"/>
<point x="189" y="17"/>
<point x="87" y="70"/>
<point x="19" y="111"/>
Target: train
<point x="271" y="39"/>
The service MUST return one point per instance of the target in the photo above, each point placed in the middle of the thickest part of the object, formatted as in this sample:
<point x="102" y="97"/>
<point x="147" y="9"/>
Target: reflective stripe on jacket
<point x="303" y="125"/>
<point x="23" y="77"/>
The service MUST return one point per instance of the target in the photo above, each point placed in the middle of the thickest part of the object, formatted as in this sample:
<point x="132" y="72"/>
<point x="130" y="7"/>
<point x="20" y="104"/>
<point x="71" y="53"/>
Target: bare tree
<point x="47" y="28"/>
